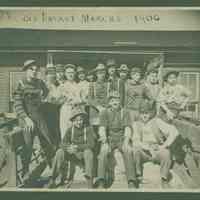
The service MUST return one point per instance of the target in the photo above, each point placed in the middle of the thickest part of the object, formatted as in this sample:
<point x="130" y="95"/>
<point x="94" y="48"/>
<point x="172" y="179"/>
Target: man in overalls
<point x="115" y="134"/>
<point x="76" y="148"/>
<point x="152" y="143"/>
<point x="28" y="98"/>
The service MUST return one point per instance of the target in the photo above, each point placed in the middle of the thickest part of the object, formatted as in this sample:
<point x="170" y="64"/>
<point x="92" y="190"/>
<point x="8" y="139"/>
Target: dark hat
<point x="28" y="63"/>
<point x="76" y="111"/>
<point x="50" y="70"/>
<point x="146" y="107"/>
<point x="80" y="70"/>
<point x="167" y="74"/>
<point x="70" y="66"/>
<point x="136" y="70"/>
<point x="7" y="119"/>
<point x="100" y="67"/>
<point x="111" y="63"/>
<point x="123" y="67"/>
<point x="114" y="95"/>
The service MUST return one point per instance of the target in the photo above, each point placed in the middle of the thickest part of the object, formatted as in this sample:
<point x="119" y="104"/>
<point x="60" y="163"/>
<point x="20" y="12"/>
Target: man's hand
<point x="103" y="139"/>
<point x="170" y="115"/>
<point x="126" y="145"/>
<point x="100" y="108"/>
<point x="72" y="149"/>
<point x="29" y="124"/>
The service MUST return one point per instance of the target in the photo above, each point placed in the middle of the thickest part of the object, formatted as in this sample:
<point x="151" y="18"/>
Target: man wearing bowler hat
<point x="76" y="148"/>
<point x="28" y="98"/>
<point x="115" y="133"/>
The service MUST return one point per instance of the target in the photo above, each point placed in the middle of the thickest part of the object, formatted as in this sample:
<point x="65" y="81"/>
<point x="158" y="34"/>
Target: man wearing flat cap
<point x="82" y="83"/>
<point x="115" y="133"/>
<point x="76" y="148"/>
<point x="28" y="98"/>
<point x="113" y="80"/>
<point x="123" y="76"/>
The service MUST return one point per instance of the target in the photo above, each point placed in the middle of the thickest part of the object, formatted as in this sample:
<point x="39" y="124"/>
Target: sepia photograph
<point x="100" y="99"/>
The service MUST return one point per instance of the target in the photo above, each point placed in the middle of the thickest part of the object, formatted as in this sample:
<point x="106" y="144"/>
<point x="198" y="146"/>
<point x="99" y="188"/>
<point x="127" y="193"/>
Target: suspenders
<point x="85" y="134"/>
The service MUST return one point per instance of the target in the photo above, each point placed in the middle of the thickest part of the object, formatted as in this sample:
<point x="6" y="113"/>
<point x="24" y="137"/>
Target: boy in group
<point x="152" y="143"/>
<point x="115" y="134"/>
<point x="76" y="148"/>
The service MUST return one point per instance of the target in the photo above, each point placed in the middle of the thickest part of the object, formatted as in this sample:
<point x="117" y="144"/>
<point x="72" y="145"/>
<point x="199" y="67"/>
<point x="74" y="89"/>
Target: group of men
<point x="110" y="108"/>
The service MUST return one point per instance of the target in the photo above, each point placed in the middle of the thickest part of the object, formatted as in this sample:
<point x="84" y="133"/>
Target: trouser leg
<point x="129" y="164"/>
<point x="165" y="161"/>
<point x="88" y="161"/>
<point x="27" y="150"/>
<point x="102" y="162"/>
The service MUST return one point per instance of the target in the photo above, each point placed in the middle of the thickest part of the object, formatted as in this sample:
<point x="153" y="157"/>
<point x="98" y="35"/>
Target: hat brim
<point x="84" y="114"/>
<point x="25" y="67"/>
<point x="169" y="73"/>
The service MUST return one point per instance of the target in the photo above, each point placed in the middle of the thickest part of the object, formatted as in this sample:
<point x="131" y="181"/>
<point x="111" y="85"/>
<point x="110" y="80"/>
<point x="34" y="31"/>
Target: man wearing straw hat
<point x="115" y="133"/>
<point x="76" y="148"/>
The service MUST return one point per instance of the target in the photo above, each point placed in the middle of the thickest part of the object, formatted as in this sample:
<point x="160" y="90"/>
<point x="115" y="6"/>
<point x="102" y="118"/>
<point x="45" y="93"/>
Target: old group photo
<point x="100" y="99"/>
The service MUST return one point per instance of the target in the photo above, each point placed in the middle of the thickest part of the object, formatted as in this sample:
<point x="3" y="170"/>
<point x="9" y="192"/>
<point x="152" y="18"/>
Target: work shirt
<point x="115" y="121"/>
<point x="135" y="93"/>
<point x="154" y="89"/>
<point x="84" y="138"/>
<point x="84" y="90"/>
<point x="28" y="97"/>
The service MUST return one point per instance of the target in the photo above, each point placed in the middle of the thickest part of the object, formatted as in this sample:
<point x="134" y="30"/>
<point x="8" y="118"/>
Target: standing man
<point x="60" y="74"/>
<point x="135" y="93"/>
<point x="28" y="98"/>
<point x="115" y="133"/>
<point x="113" y="80"/>
<point x="90" y="77"/>
<point x="82" y="84"/>
<point x="123" y="77"/>
<point x="77" y="148"/>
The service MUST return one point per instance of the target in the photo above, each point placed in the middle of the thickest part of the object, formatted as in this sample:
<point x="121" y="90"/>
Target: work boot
<point x="51" y="184"/>
<point x="165" y="183"/>
<point x="101" y="184"/>
<point x="132" y="184"/>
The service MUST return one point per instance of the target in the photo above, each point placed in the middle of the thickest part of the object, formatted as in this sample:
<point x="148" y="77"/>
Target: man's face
<point x="112" y="70"/>
<point x="135" y="76"/>
<point x="115" y="103"/>
<point x="172" y="79"/>
<point x="70" y="74"/>
<point x="123" y="75"/>
<point x="153" y="77"/>
<point x="81" y="76"/>
<point x="101" y="75"/>
<point x="145" y="117"/>
<point x="60" y="75"/>
<point x="79" y="121"/>
<point x="32" y="71"/>
<point x="90" y="78"/>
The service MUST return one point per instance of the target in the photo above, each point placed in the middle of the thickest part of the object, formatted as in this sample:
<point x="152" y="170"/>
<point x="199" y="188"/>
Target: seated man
<point x="77" y="147"/>
<point x="115" y="133"/>
<point x="153" y="142"/>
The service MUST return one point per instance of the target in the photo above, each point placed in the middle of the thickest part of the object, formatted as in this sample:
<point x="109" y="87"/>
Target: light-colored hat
<point x="123" y="67"/>
<point x="70" y="66"/>
<point x="136" y="70"/>
<point x="100" y="67"/>
<point x="28" y="63"/>
<point x="77" y="111"/>
<point x="80" y="69"/>
<point x="167" y="74"/>
<point x="111" y="63"/>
